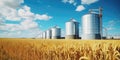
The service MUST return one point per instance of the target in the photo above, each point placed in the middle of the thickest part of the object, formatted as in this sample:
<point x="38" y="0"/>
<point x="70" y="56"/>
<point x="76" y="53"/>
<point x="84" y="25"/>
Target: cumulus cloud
<point x="12" y="10"/>
<point x="80" y="8"/>
<point x="29" y="28"/>
<point x="24" y="25"/>
<point x="28" y="24"/>
<point x="26" y="13"/>
<point x="88" y="1"/>
<point x="8" y="9"/>
<point x="84" y="2"/>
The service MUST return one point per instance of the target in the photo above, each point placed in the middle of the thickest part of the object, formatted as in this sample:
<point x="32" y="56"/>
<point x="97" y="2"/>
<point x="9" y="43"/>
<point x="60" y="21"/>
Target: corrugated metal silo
<point x="91" y="25"/>
<point x="56" y="32"/>
<point x="48" y="34"/>
<point x="44" y="35"/>
<point x="72" y="29"/>
<point x="41" y="36"/>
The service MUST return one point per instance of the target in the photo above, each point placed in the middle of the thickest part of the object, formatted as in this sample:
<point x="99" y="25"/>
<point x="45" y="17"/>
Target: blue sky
<point x="27" y="18"/>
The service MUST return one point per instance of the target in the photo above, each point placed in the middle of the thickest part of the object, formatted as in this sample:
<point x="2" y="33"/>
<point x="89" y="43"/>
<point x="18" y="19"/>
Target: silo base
<point x="72" y="37"/>
<point x="91" y="36"/>
<point x="55" y="37"/>
<point x="48" y="37"/>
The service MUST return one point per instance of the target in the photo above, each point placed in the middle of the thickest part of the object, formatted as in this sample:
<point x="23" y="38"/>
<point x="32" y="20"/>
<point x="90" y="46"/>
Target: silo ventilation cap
<point x="56" y="26"/>
<point x="73" y="20"/>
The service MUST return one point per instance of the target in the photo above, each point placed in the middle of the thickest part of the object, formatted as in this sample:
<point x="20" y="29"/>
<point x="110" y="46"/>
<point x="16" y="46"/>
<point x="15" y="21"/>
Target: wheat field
<point x="59" y="49"/>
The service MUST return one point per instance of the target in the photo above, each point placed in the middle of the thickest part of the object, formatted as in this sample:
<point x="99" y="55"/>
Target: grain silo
<point x="41" y="36"/>
<point x="56" y="32"/>
<point x="72" y="29"/>
<point x="44" y="35"/>
<point x="92" y="25"/>
<point x="48" y="34"/>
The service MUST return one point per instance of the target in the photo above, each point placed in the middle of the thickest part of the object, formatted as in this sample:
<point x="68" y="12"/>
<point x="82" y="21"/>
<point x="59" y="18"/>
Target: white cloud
<point x="12" y="10"/>
<point x="8" y="9"/>
<point x="28" y="24"/>
<point x="10" y="3"/>
<point x="42" y="17"/>
<point x="70" y="2"/>
<point x="11" y="27"/>
<point x="88" y="1"/>
<point x="21" y="34"/>
<point x="29" y="28"/>
<point x="25" y="25"/>
<point x="12" y="15"/>
<point x="80" y="8"/>
<point x="83" y="2"/>
<point x="25" y="13"/>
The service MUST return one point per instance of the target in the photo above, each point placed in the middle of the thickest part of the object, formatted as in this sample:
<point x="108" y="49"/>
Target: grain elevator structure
<point x="56" y="32"/>
<point x="44" y="35"/>
<point x="72" y="29"/>
<point x="92" y="24"/>
<point x="48" y="34"/>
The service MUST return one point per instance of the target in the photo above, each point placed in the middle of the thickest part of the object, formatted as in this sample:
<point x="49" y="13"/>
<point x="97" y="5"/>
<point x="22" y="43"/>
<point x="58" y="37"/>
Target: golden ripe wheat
<point x="47" y="49"/>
